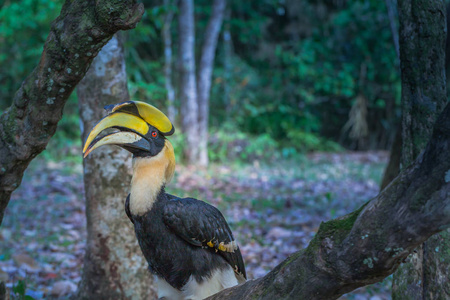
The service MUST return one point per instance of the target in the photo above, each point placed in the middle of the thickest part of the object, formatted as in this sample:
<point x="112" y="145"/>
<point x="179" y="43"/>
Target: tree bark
<point x="390" y="7"/>
<point x="422" y="53"/>
<point x="205" y="74"/>
<point x="2" y="291"/>
<point x="393" y="167"/>
<point x="227" y="64"/>
<point x="447" y="51"/>
<point x="114" y="267"/>
<point x="369" y="244"/>
<point x="188" y="91"/>
<point x="75" y="38"/>
<point x="167" y="38"/>
<point x="447" y="44"/>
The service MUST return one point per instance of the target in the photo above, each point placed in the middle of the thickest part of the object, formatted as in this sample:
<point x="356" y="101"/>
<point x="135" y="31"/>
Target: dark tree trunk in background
<point x="114" y="267"/>
<point x="447" y="51"/>
<point x="227" y="64"/>
<point x="390" y="7"/>
<point x="167" y="38"/>
<point x="205" y="74"/>
<point x="393" y="167"/>
<point x="3" y="291"/>
<point x="188" y="91"/>
<point x="422" y="37"/>
<point x="422" y="53"/>
<point x="369" y="244"/>
<point x="75" y="38"/>
<point x="447" y="45"/>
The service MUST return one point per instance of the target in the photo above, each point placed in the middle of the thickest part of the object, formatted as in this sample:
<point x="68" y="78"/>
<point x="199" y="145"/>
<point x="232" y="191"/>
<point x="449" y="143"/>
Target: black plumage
<point x="187" y="243"/>
<point x="174" y="237"/>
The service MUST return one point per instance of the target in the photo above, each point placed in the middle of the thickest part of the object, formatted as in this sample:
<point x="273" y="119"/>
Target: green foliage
<point x="229" y="144"/>
<point x="178" y="141"/>
<point x="24" y="28"/>
<point x="143" y="86"/>
<point x="144" y="57"/>
<point x="19" y="291"/>
<point x="308" y="142"/>
<point x="309" y="70"/>
<point x="20" y="288"/>
<point x="294" y="71"/>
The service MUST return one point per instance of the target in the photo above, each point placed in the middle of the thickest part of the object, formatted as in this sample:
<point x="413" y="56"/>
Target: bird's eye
<point x="154" y="134"/>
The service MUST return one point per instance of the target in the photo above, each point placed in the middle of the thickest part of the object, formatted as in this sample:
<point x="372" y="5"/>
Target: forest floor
<point x="273" y="210"/>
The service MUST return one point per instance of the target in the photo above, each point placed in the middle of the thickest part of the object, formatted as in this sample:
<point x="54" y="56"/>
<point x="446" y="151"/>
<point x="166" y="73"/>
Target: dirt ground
<point x="274" y="210"/>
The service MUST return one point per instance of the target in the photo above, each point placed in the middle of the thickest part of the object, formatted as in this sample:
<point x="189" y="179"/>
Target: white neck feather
<point x="150" y="174"/>
<point x="148" y="178"/>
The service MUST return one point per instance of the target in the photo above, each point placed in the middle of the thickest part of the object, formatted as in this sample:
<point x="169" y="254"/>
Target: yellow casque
<point x="148" y="113"/>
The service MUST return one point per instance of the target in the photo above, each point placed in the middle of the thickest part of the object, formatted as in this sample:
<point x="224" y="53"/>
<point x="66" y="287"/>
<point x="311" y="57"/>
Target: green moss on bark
<point x="29" y="123"/>
<point x="422" y="47"/>
<point x="10" y="125"/>
<point x="336" y="229"/>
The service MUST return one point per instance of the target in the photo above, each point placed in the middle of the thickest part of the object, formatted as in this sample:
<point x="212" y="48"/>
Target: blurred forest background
<point x="292" y="76"/>
<point x="297" y="87"/>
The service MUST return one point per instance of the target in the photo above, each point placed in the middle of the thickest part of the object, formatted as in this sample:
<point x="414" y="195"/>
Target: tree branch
<point x="369" y="244"/>
<point x="75" y="38"/>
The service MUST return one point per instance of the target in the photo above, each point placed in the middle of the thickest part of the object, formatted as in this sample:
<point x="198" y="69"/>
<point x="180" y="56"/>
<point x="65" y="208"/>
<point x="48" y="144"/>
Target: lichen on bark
<point x="422" y="56"/>
<point x="27" y="125"/>
<point x="366" y="246"/>
<point x="114" y="267"/>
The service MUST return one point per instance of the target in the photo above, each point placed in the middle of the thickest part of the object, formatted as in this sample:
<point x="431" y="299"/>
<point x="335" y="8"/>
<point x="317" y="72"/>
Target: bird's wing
<point x="203" y="225"/>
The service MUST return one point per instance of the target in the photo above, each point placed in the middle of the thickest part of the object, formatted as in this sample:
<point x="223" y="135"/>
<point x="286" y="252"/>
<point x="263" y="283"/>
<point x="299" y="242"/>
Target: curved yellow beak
<point x="116" y="120"/>
<point x="118" y="138"/>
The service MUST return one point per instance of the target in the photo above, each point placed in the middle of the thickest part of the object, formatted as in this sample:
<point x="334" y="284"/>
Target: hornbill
<point x="187" y="243"/>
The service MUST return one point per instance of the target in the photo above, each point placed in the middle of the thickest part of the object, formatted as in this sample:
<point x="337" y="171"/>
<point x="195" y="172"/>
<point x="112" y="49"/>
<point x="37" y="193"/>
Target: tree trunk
<point x="188" y="91"/>
<point x="3" y="291"/>
<point x="390" y="7"/>
<point x="369" y="244"/>
<point x="447" y="44"/>
<point x="114" y="267"/>
<point x="205" y="74"/>
<point x="75" y="38"/>
<point x="167" y="38"/>
<point x="447" y="51"/>
<point x="393" y="167"/>
<point x="422" y="56"/>
<point x="436" y="262"/>
<point x="227" y="54"/>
